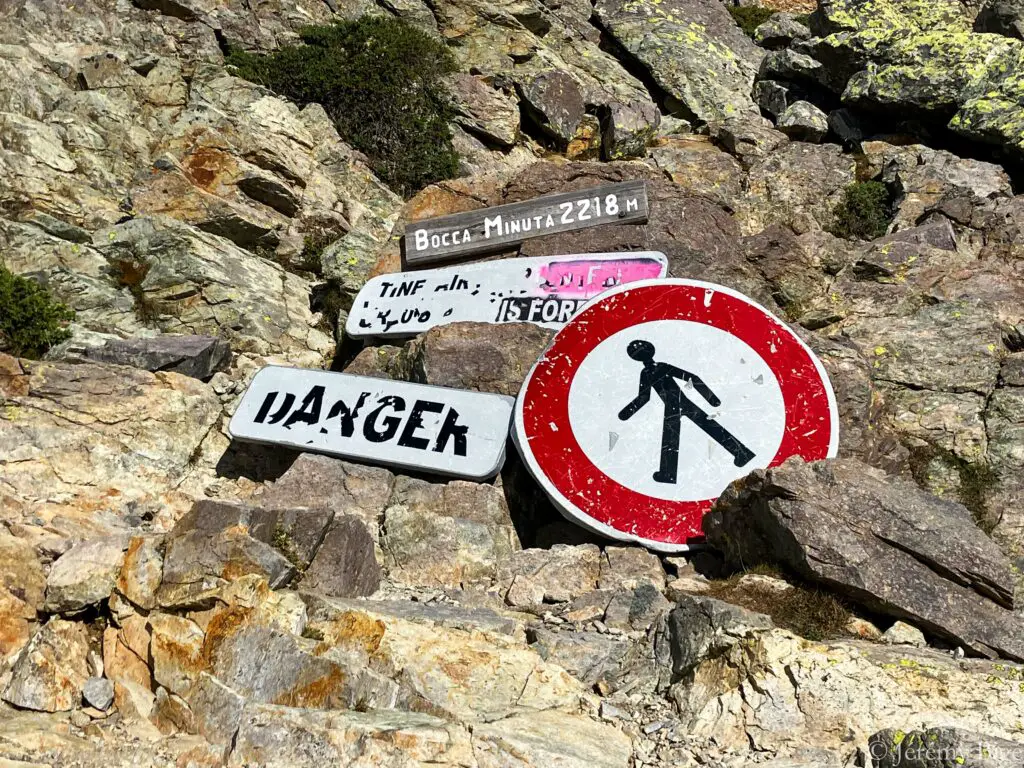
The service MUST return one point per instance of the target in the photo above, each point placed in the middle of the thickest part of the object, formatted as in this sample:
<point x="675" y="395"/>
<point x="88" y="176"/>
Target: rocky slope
<point x="169" y="598"/>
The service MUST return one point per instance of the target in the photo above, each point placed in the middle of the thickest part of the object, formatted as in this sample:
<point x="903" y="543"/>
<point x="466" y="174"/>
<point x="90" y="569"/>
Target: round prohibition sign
<point x="660" y="393"/>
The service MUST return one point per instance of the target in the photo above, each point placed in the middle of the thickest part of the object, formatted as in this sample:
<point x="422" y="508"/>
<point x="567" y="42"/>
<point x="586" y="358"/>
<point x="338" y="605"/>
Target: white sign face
<point x="414" y="426"/>
<point x="547" y="291"/>
<point x="658" y="395"/>
<point x="748" y="403"/>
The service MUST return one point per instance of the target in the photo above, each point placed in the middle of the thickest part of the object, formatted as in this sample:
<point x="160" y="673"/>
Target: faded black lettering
<point x="391" y="423"/>
<point x="452" y="430"/>
<point x="408" y="438"/>
<point x="347" y="418"/>
<point x="309" y="412"/>
<point x="289" y="401"/>
<point x="268" y="402"/>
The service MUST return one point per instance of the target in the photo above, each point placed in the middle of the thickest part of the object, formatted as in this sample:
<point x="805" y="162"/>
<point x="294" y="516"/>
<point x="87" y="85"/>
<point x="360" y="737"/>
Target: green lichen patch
<point x="750" y="17"/>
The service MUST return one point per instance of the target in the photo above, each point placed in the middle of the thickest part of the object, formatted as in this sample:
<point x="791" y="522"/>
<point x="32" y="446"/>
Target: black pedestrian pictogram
<point x="661" y="378"/>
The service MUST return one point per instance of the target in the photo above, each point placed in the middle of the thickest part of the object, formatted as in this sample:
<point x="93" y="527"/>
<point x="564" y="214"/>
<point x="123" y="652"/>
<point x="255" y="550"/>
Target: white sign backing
<point x="546" y="291"/>
<point x="414" y="426"/>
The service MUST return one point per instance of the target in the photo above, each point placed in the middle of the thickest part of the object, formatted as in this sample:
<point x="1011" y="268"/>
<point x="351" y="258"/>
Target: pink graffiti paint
<point x="585" y="279"/>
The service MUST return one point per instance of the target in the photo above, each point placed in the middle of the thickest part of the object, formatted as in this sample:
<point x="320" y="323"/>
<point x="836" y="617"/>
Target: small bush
<point x="864" y="212"/>
<point x="750" y="17"/>
<point x="30" y="321"/>
<point x="379" y="79"/>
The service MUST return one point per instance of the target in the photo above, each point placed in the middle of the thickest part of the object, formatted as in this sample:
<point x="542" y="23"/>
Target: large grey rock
<point x="803" y="121"/>
<point x="268" y="666"/>
<point x="218" y="542"/>
<point x="1003" y="17"/>
<point x="85" y="574"/>
<point x="772" y="96"/>
<point x="51" y="672"/>
<point x="477" y="356"/>
<point x="923" y="177"/>
<point x="197" y="356"/>
<point x="538" y="739"/>
<point x="98" y="692"/>
<point x="587" y="656"/>
<point x="556" y="101"/>
<point x="636" y="609"/>
<point x="562" y="573"/>
<point x="344" y="564"/>
<point x="447" y="535"/>
<point x="628" y="567"/>
<point x="629" y="128"/>
<point x="879" y="541"/>
<point x="941" y="747"/>
<point x="749" y="138"/>
<point x="216" y="709"/>
<point x="342" y="487"/>
<point x="779" y="31"/>
<point x="795" y="182"/>
<point x="757" y="694"/>
<point x="283" y="737"/>
<point x="134" y="440"/>
<point x="192" y="281"/>
<point x="692" y="49"/>
<point x="697" y="165"/>
<point x="702" y="627"/>
<point x="448" y="615"/>
<point x="485" y="109"/>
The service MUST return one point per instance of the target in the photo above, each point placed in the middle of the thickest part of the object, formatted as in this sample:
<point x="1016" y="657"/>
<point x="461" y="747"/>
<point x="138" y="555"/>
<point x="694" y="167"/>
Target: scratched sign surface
<point x="656" y="396"/>
<point x="448" y="431"/>
<point x="492" y="229"/>
<point x="546" y="291"/>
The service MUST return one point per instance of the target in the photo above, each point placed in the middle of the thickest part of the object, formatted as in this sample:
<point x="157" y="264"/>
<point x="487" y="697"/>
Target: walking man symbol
<point x="661" y="378"/>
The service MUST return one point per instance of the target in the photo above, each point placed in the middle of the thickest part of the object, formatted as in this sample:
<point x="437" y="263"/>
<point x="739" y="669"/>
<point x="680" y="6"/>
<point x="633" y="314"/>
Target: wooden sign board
<point x="546" y="291"/>
<point x="660" y="393"/>
<point x="413" y="426"/>
<point x="492" y="229"/>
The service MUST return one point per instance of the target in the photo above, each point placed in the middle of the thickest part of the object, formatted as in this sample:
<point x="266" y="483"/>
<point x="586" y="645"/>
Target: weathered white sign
<point x="433" y="429"/>
<point x="546" y="291"/>
<point x="492" y="229"/>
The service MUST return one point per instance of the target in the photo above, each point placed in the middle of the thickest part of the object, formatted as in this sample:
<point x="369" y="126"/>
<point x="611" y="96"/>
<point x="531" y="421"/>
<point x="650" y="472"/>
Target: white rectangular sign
<point x="415" y="426"/>
<point x="546" y="291"/>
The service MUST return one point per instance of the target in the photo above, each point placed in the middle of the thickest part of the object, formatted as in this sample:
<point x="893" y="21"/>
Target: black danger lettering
<point x="388" y="419"/>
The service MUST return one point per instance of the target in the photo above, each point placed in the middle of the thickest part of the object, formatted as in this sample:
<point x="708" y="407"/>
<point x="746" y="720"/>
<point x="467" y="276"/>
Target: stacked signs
<point x="653" y="396"/>
<point x="435" y="429"/>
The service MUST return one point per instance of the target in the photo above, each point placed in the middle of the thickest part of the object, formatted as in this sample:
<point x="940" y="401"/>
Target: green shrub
<point x="379" y="79"/>
<point x="864" y="212"/>
<point x="750" y="17"/>
<point x="30" y="321"/>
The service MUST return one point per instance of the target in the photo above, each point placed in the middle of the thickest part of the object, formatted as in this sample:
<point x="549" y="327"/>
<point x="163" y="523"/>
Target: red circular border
<point x="545" y="406"/>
